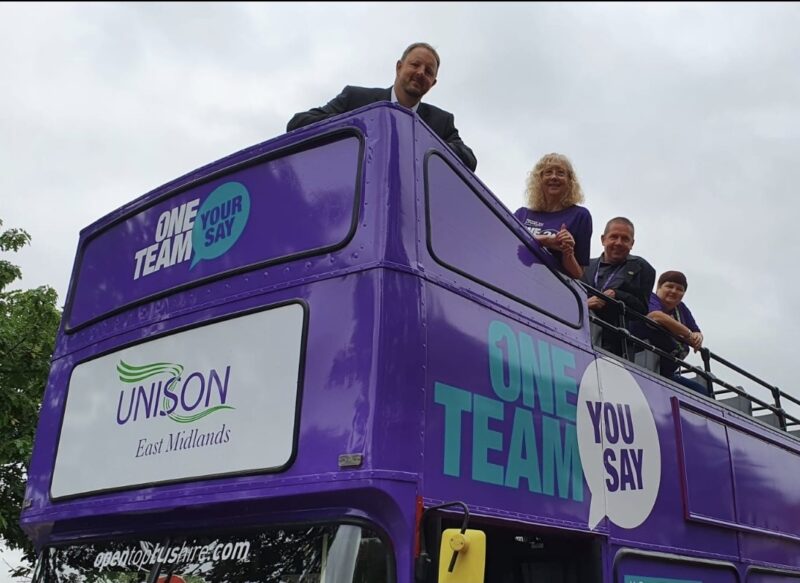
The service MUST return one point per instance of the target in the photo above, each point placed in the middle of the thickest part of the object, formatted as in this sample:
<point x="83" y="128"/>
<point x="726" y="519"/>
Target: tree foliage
<point x="28" y="323"/>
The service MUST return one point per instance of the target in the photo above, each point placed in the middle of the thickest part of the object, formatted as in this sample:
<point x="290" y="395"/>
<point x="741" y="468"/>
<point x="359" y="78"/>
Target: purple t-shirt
<point x="684" y="314"/>
<point x="576" y="218"/>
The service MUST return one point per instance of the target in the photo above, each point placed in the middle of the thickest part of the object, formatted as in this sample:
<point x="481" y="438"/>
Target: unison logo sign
<point x="159" y="389"/>
<point x="155" y="412"/>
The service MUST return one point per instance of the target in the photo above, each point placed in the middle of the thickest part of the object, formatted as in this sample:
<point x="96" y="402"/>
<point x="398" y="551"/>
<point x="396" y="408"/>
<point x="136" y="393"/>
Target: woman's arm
<point x="570" y="264"/>
<point x="566" y="244"/>
<point x="671" y="324"/>
<point x="695" y="340"/>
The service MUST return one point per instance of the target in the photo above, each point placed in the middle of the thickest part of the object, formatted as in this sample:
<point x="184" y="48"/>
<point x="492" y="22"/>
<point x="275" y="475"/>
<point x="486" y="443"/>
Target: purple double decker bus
<point x="336" y="357"/>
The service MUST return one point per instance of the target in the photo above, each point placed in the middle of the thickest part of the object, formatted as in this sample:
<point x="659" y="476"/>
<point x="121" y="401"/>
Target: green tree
<point x="28" y="323"/>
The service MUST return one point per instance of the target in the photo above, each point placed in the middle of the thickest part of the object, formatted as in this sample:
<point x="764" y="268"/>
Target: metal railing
<point x="626" y="339"/>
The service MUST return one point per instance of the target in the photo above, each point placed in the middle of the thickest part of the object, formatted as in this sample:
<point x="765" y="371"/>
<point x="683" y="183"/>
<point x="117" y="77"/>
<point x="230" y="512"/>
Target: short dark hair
<point x="425" y="46"/>
<point x="622" y="220"/>
<point x="672" y="277"/>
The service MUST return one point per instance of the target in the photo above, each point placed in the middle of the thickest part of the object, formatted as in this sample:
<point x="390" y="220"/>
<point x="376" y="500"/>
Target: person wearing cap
<point x="668" y="310"/>
<point x="415" y="75"/>
<point x="619" y="275"/>
<point x="553" y="215"/>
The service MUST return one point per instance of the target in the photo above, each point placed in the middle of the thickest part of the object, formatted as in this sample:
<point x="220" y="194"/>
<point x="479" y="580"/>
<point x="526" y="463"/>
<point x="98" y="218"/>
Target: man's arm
<point x="636" y="297"/>
<point x="458" y="146"/>
<point x="335" y="106"/>
<point x="594" y="303"/>
<point x="634" y="301"/>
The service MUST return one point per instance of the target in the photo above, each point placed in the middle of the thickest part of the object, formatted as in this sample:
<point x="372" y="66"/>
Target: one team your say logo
<point x="186" y="232"/>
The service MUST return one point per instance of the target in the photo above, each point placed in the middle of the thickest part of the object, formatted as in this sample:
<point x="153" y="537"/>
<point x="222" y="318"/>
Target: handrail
<point x="752" y="377"/>
<point x="786" y="421"/>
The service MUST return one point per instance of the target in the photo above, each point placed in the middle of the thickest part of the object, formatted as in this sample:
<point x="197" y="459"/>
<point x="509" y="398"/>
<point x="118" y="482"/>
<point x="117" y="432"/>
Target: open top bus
<point x="336" y="357"/>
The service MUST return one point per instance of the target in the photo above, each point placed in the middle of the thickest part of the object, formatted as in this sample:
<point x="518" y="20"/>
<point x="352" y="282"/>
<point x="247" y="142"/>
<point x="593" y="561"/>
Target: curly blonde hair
<point x="534" y="191"/>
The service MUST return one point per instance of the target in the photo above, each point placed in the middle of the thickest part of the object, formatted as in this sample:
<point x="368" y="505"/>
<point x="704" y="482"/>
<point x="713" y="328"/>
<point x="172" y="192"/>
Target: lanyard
<point x="609" y="279"/>
<point x="681" y="345"/>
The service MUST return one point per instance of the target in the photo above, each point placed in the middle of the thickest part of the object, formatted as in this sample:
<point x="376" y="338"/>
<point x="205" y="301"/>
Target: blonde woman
<point x="553" y="216"/>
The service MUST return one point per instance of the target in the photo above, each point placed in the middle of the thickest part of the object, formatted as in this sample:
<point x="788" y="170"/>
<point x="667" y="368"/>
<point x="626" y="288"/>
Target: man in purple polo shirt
<point x="621" y="276"/>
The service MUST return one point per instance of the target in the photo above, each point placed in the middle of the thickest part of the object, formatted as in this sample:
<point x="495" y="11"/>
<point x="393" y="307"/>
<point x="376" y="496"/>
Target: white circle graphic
<point x="618" y="443"/>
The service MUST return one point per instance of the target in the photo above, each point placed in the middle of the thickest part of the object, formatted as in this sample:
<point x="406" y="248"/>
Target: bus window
<point x="180" y="406"/>
<point x="258" y="213"/>
<point x="468" y="236"/>
<point x="100" y="562"/>
<point x="310" y="554"/>
<point x="633" y="566"/>
<point x="765" y="576"/>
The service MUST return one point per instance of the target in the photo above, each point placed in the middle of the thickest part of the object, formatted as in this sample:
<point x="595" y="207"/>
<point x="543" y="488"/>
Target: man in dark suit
<point x="415" y="74"/>
<point x="621" y="276"/>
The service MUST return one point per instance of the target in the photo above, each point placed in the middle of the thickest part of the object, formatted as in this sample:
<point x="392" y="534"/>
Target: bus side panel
<point x="651" y="510"/>
<point x="396" y="442"/>
<point x="742" y="476"/>
<point x="500" y="414"/>
<point x="771" y="550"/>
<point x="527" y="424"/>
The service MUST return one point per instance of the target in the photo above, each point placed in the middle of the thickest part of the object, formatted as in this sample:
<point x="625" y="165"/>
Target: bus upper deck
<point x="315" y="338"/>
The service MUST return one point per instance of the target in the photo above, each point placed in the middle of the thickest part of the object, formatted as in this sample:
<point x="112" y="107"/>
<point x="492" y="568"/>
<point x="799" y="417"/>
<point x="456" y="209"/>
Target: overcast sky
<point x="683" y="117"/>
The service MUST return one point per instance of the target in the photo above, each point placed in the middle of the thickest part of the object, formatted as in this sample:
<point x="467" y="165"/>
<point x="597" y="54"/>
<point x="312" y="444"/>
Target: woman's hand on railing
<point x="695" y="340"/>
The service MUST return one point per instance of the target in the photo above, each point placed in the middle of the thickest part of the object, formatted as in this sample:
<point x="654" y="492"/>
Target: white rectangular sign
<point x="217" y="399"/>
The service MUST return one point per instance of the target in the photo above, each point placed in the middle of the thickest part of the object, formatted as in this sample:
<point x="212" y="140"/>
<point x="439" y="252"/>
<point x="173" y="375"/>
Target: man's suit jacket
<point x="632" y="285"/>
<point x="351" y="97"/>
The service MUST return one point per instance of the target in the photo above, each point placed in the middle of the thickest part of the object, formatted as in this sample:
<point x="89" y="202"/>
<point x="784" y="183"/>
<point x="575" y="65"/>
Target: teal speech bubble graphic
<point x="220" y="221"/>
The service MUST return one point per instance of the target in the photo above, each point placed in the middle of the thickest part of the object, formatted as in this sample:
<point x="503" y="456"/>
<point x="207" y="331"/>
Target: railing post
<point x="776" y="395"/>
<point x="706" y="355"/>
<point x="623" y="321"/>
